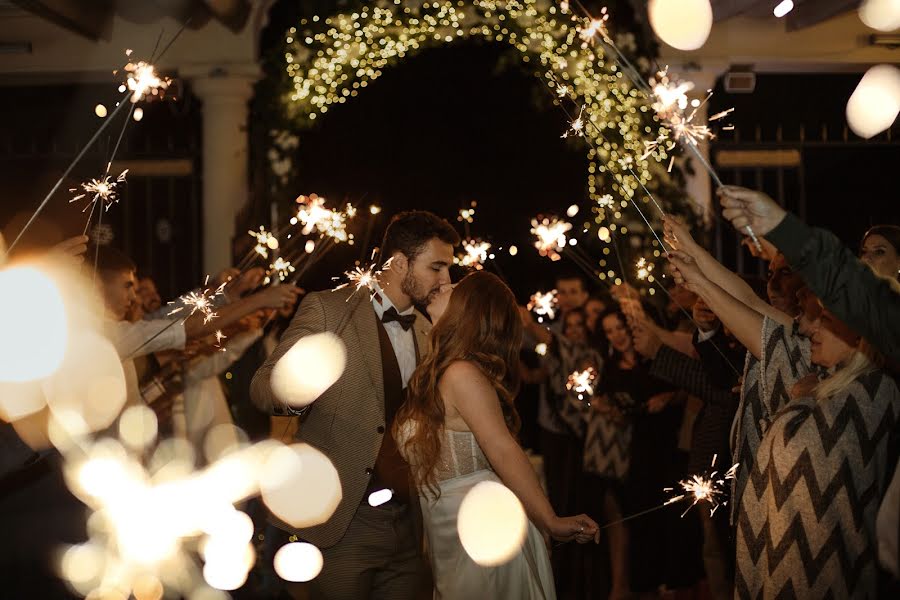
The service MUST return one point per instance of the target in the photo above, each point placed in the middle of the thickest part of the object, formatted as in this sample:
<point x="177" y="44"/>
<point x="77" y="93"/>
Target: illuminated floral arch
<point x="330" y="60"/>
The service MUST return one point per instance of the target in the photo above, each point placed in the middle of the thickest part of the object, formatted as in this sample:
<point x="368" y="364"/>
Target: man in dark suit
<point x="369" y="551"/>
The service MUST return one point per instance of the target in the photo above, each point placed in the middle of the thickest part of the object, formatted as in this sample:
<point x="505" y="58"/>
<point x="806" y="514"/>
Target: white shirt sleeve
<point x="146" y="337"/>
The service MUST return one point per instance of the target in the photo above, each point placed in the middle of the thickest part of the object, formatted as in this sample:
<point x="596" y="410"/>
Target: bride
<point x="457" y="429"/>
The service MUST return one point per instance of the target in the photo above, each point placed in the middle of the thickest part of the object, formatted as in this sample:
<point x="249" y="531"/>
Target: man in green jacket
<point x="847" y="287"/>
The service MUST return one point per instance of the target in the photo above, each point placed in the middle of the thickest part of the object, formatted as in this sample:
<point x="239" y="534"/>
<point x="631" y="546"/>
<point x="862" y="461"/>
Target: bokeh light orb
<point x="875" y="103"/>
<point x="34" y="325"/>
<point x="682" y="24"/>
<point x="883" y="15"/>
<point x="90" y="382"/>
<point x="298" y="561"/>
<point x="309" y="368"/>
<point x="491" y="524"/>
<point x="300" y="485"/>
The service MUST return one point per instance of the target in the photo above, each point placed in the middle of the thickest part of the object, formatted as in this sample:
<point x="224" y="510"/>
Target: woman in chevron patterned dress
<point x="806" y="518"/>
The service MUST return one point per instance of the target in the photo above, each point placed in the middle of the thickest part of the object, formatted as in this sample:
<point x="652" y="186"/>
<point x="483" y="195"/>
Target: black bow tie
<point x="406" y="321"/>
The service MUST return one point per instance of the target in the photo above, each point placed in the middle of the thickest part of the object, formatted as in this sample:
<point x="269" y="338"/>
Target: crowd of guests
<point x="792" y="379"/>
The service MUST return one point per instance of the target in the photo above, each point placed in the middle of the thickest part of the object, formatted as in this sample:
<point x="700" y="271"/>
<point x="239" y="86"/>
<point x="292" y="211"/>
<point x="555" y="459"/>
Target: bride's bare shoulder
<point x="463" y="376"/>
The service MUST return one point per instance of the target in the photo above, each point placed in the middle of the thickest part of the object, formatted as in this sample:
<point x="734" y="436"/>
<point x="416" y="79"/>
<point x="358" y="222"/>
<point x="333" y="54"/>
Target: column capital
<point x="210" y="82"/>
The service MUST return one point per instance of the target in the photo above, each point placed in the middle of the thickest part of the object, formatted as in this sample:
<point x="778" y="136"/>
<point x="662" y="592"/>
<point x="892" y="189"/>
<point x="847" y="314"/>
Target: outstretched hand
<point x="73" y="248"/>
<point x="677" y="235"/>
<point x="686" y="273"/>
<point x="745" y="207"/>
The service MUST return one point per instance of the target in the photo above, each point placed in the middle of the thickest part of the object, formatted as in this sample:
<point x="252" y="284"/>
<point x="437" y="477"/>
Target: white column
<point x="225" y="160"/>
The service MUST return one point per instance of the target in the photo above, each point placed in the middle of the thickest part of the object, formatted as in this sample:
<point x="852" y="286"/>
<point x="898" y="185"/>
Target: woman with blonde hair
<point x="825" y="415"/>
<point x="457" y="429"/>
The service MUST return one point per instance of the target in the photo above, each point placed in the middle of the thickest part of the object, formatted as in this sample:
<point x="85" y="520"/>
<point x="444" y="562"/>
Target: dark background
<point x="443" y="128"/>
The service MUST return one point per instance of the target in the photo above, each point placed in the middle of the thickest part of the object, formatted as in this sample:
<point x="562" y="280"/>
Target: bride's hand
<point x="582" y="529"/>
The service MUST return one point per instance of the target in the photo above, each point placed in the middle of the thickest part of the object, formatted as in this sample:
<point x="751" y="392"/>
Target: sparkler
<point x="544" y="305"/>
<point x="475" y="253"/>
<point x="104" y="189"/>
<point x="219" y="337"/>
<point x="202" y="302"/>
<point x="314" y="216"/>
<point x="582" y="382"/>
<point x="576" y="126"/>
<point x="265" y="241"/>
<point x="142" y="79"/>
<point x="705" y="488"/>
<point x="644" y="269"/>
<point x="280" y="267"/>
<point x="364" y="278"/>
<point x="594" y="27"/>
<point x="467" y="215"/>
<point x="551" y="236"/>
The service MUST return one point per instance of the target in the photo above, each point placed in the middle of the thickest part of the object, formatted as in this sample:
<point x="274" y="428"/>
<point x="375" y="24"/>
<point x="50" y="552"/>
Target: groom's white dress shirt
<point x="403" y="341"/>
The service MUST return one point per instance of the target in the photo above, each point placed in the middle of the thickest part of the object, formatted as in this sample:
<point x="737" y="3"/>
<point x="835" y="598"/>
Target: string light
<point x="330" y="60"/>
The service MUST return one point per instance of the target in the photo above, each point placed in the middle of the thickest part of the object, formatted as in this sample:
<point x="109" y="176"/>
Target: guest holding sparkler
<point x="807" y="461"/>
<point x="846" y="286"/>
<point x="117" y="285"/>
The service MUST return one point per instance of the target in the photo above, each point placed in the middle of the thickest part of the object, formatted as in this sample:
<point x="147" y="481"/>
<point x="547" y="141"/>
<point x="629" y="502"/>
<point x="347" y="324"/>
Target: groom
<point x="370" y="551"/>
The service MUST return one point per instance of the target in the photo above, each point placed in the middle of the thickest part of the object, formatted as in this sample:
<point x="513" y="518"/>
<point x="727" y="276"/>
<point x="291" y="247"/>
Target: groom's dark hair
<point x="409" y="231"/>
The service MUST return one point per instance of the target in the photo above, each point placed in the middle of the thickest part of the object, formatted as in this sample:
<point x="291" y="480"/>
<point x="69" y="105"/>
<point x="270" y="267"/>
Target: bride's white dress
<point x="527" y="576"/>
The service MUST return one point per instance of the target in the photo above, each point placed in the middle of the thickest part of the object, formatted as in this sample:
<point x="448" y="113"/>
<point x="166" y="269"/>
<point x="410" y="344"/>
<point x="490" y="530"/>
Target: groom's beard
<point x="420" y="296"/>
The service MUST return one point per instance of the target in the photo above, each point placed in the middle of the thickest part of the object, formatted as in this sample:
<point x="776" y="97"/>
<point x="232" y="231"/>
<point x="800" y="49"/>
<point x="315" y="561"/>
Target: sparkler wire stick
<point x="642" y="84"/>
<point x="634" y="516"/>
<point x="68" y="170"/>
<point x="631" y="199"/>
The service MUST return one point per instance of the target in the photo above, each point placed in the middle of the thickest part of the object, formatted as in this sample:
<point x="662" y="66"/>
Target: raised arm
<point x="743" y="321"/>
<point x="847" y="287"/>
<point x="679" y="237"/>
<point x="466" y="390"/>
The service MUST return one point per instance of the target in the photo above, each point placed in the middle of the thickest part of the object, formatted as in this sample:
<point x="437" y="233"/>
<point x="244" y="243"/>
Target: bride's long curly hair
<point x="481" y="325"/>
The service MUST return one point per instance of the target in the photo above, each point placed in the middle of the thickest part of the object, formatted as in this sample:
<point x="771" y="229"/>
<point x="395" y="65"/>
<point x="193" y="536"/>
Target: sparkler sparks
<point x="316" y="217"/>
<point x="201" y="302"/>
<point x="582" y="382"/>
<point x="544" y="305"/>
<point x="670" y="102"/>
<point x="364" y="278"/>
<point x="265" y="241"/>
<point x="576" y="127"/>
<point x="467" y="215"/>
<point x="142" y="79"/>
<point x="594" y="27"/>
<point x="219" y="337"/>
<point x="475" y="253"/>
<point x="282" y="268"/>
<point x="644" y="269"/>
<point x="104" y="189"/>
<point x="551" y="236"/>
<point x="705" y="488"/>
<point x="605" y="201"/>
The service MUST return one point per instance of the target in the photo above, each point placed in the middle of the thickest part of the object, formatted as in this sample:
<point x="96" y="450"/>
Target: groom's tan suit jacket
<point x="346" y="422"/>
